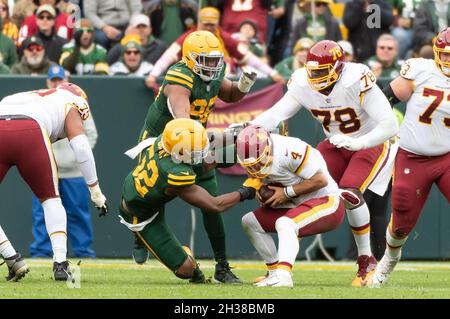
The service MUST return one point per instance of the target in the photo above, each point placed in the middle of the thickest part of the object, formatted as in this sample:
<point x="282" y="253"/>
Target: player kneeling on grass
<point x="163" y="173"/>
<point x="307" y="203"/>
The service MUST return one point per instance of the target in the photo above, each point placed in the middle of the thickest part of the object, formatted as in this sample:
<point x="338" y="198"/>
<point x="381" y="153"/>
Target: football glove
<point x="98" y="199"/>
<point x="347" y="142"/>
<point x="246" y="192"/>
<point x="236" y="128"/>
<point x="246" y="81"/>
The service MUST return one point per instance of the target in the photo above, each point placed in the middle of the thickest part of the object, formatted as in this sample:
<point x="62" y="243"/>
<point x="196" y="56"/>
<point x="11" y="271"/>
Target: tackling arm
<point x="199" y="197"/>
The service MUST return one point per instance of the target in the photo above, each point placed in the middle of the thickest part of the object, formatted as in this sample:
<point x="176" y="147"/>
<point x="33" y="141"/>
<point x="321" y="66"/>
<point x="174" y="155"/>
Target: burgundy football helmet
<point x="324" y="64"/>
<point x="254" y="150"/>
<point x="442" y="45"/>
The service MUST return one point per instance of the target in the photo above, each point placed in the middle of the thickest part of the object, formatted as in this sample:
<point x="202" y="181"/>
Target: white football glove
<point x="98" y="199"/>
<point x="246" y="81"/>
<point x="347" y="142"/>
<point x="235" y="128"/>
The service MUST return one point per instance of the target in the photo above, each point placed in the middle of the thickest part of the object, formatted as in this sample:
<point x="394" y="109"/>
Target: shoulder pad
<point x="298" y="78"/>
<point x="412" y="67"/>
<point x="360" y="75"/>
<point x="181" y="75"/>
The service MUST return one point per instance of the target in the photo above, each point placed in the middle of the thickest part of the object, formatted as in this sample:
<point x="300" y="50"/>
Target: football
<point x="265" y="192"/>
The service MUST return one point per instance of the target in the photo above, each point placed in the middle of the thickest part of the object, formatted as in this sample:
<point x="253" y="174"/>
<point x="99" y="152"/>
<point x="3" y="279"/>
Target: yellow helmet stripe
<point x="171" y="182"/>
<point x="181" y="75"/>
<point x="182" y="178"/>
<point x="178" y="80"/>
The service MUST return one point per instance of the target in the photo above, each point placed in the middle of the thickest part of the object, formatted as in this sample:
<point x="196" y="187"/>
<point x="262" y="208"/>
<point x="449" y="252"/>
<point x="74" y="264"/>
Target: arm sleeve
<point x="284" y="109"/>
<point x="379" y="109"/>
<point x="85" y="157"/>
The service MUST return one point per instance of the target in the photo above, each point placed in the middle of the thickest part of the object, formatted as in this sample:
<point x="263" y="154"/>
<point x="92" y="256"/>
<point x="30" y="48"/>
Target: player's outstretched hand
<point x="347" y="142"/>
<point x="236" y="128"/>
<point x="98" y="199"/>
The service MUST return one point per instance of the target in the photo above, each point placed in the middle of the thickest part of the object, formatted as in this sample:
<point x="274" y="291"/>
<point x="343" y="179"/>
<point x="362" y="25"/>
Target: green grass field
<point x="106" y="278"/>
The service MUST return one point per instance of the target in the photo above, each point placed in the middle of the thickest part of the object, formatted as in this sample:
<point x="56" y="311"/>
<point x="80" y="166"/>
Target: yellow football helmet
<point x="203" y="54"/>
<point x="185" y="140"/>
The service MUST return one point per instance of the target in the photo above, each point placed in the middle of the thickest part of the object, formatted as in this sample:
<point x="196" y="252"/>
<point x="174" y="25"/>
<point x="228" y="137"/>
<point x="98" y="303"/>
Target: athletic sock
<point x="6" y="249"/>
<point x="359" y="220"/>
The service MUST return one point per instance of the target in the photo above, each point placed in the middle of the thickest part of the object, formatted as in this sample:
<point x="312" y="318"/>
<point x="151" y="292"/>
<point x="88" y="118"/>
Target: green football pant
<point x="160" y="240"/>
<point x="213" y="222"/>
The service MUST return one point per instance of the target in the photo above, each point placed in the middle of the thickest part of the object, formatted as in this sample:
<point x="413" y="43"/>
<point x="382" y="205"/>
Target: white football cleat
<point x="383" y="271"/>
<point x="279" y="278"/>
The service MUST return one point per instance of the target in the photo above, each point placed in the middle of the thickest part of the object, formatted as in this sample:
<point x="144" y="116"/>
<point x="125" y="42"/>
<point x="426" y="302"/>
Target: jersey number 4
<point x="347" y="119"/>
<point x="425" y="117"/>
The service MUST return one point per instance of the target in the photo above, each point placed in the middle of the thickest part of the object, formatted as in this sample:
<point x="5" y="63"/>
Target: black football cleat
<point x="61" y="271"/>
<point x="223" y="274"/>
<point x="17" y="268"/>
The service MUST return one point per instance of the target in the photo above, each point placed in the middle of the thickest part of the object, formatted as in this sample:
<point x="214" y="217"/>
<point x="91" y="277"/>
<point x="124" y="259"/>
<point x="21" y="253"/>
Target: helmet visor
<point x="320" y="76"/>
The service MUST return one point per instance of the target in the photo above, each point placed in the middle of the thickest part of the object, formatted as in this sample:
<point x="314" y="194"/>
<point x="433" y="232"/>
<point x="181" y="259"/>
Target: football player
<point x="357" y="120"/>
<point x="424" y="155"/>
<point x="165" y="171"/>
<point x="189" y="90"/>
<point x="307" y="203"/>
<point x="29" y="123"/>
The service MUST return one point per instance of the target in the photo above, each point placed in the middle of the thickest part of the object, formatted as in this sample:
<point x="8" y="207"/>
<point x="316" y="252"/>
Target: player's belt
<point x="14" y="117"/>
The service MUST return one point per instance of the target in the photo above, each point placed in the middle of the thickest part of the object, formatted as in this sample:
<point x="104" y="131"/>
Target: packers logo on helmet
<point x="203" y="54"/>
<point x="185" y="140"/>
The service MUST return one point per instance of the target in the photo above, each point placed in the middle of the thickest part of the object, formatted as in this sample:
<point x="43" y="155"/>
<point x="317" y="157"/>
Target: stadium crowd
<point x="143" y="37"/>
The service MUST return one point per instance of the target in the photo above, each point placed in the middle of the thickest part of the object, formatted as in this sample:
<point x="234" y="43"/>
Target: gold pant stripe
<point x="58" y="232"/>
<point x="376" y="167"/>
<point x="361" y="232"/>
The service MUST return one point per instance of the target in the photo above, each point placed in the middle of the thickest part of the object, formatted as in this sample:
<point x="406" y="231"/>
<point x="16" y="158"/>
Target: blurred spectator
<point x="62" y="22"/>
<point x="402" y="30"/>
<point x="132" y="63"/>
<point x="110" y="18"/>
<point x="53" y="43"/>
<point x="276" y="12"/>
<point x="4" y="69"/>
<point x="385" y="64"/>
<point x="297" y="60"/>
<point x="325" y="26"/>
<point x="82" y="55"/>
<point x="426" y="52"/>
<point x="361" y="21"/>
<point x="248" y="32"/>
<point x="21" y="10"/>
<point x="235" y="51"/>
<point x="236" y="11"/>
<point x="171" y="18"/>
<point x="277" y="44"/>
<point x="74" y="193"/>
<point x="34" y="60"/>
<point x="348" y="50"/>
<point x="8" y="53"/>
<point x="152" y="48"/>
<point x="431" y="17"/>
<point x="9" y="28"/>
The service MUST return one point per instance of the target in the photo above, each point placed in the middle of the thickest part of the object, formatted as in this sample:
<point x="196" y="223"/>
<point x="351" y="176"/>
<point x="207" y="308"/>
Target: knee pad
<point x="401" y="201"/>
<point x="250" y="223"/>
<point x="55" y="215"/>
<point x="284" y="224"/>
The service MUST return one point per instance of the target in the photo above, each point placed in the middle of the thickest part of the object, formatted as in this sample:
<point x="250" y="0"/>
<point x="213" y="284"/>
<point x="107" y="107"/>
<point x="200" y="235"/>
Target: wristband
<point x="289" y="192"/>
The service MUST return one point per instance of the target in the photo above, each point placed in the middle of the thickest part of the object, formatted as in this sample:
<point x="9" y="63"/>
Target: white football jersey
<point x="341" y="111"/>
<point x="426" y="126"/>
<point x="294" y="161"/>
<point x="48" y="107"/>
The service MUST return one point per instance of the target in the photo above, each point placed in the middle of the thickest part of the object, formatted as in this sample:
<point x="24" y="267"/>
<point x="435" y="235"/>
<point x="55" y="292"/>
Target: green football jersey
<point x="202" y="99"/>
<point x="144" y="188"/>
<point x="88" y="60"/>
